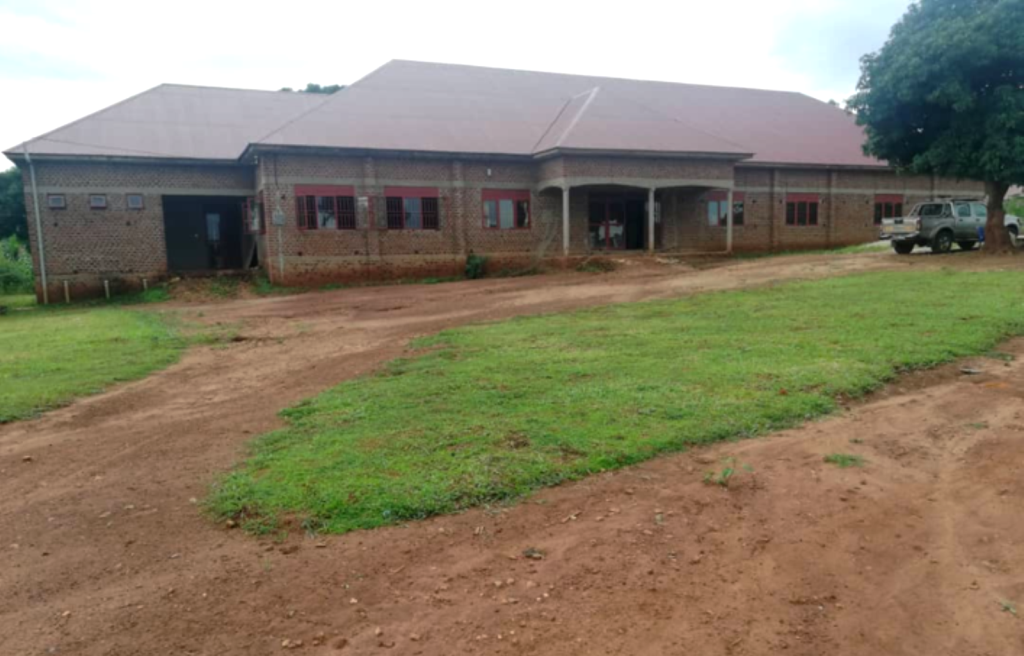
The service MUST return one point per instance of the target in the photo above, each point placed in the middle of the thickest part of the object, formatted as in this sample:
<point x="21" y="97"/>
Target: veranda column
<point x="650" y="220"/>
<point x="728" y="223"/>
<point x="565" y="220"/>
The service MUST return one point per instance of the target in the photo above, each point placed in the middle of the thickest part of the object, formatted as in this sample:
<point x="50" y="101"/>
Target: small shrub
<point x="15" y="267"/>
<point x="597" y="265"/>
<point x="475" y="266"/>
<point x="723" y="477"/>
<point x="844" y="460"/>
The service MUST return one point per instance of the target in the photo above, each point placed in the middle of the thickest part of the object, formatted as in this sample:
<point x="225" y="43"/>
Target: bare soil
<point x="104" y="549"/>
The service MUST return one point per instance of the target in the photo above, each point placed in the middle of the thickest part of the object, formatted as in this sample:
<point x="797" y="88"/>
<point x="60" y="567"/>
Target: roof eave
<point x="880" y="166"/>
<point x="261" y="148"/>
<point x="18" y="157"/>
<point x="603" y="152"/>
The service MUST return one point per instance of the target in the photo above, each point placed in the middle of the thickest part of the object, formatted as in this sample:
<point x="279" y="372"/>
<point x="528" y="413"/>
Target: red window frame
<point x="738" y="197"/>
<point x="802" y="210"/>
<point x="341" y="199"/>
<point x="63" y="202"/>
<point x="498" y="195"/>
<point x="888" y="206"/>
<point x="105" y="205"/>
<point x="430" y="207"/>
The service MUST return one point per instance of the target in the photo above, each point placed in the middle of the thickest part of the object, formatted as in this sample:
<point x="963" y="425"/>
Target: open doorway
<point x="617" y="221"/>
<point x="203" y="233"/>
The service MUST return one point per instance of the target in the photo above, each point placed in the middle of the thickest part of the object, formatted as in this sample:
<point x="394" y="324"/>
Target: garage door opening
<point x="204" y="233"/>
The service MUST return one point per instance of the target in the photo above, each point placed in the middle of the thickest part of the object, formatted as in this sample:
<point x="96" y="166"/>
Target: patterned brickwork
<point x="121" y="245"/>
<point x="85" y="246"/>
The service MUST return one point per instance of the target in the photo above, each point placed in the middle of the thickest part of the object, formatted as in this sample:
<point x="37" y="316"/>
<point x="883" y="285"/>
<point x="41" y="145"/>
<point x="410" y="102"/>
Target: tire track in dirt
<point x="100" y="524"/>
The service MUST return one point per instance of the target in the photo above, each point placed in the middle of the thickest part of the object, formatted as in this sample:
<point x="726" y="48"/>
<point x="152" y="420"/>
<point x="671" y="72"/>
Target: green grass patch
<point x="50" y="356"/>
<point x="17" y="301"/>
<point x="490" y="412"/>
<point x="844" y="460"/>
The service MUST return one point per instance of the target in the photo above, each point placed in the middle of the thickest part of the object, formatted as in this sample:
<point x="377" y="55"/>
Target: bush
<point x="596" y="265"/>
<point x="475" y="266"/>
<point x="15" y="267"/>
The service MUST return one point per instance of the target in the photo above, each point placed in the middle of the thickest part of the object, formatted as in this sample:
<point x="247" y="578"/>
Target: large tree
<point x="945" y="95"/>
<point x="12" y="205"/>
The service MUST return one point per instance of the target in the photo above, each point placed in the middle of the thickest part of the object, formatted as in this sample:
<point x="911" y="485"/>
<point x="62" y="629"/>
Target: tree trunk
<point x="997" y="240"/>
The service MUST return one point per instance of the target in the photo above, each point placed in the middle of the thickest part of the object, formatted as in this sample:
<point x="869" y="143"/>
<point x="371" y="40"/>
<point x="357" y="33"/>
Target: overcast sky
<point x="62" y="59"/>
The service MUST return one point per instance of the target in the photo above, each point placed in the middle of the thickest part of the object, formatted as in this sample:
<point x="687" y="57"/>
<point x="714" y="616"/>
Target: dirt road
<point x="105" y="552"/>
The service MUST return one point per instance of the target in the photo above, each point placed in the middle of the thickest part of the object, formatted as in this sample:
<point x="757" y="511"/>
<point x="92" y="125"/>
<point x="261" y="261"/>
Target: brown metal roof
<point x="176" y="121"/>
<point x="414" y="106"/>
<point x="452" y="108"/>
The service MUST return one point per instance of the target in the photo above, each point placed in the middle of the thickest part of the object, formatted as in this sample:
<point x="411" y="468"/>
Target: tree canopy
<point x="316" y="88"/>
<point x="945" y="95"/>
<point x="12" y="205"/>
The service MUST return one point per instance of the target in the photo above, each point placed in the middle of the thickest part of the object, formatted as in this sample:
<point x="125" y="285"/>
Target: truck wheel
<point x="903" y="247"/>
<point x="966" y="245"/>
<point x="943" y="242"/>
<point x="1012" y="230"/>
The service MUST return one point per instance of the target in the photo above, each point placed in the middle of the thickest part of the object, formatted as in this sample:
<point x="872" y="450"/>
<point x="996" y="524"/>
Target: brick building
<point x="416" y="166"/>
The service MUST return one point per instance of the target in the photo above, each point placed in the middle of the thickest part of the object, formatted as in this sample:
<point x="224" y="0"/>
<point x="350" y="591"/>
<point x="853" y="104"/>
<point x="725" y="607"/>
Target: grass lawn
<point x="50" y="356"/>
<point x="487" y="413"/>
<point x="17" y="301"/>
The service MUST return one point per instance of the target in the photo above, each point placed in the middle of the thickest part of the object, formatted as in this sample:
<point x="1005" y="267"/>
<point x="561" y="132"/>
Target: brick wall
<point x="372" y="250"/>
<point x="86" y="246"/>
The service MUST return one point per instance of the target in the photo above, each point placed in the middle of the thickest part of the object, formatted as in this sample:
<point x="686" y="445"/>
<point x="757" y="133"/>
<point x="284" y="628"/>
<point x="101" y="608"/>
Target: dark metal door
<point x="203" y="233"/>
<point x="185" y="234"/>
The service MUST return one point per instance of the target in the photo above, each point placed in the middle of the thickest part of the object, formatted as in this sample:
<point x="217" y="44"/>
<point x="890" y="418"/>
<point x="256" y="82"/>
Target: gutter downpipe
<point x="39" y="225"/>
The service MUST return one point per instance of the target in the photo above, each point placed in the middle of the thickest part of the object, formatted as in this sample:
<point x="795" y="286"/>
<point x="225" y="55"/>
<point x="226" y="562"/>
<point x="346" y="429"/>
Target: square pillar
<point x="728" y="223"/>
<point x="565" y="220"/>
<point x="650" y="220"/>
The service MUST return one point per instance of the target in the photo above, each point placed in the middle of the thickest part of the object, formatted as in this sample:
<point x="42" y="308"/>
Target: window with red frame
<point x="887" y="206"/>
<point x="325" y="208"/>
<point x="506" y="210"/>
<point x="718" y="208"/>
<point x="802" y="209"/>
<point x="411" y="208"/>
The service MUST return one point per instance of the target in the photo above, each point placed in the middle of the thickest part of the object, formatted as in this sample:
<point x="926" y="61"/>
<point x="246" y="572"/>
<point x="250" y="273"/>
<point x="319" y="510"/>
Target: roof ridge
<point x="317" y="106"/>
<point x="592" y="77"/>
<point x="554" y="122"/>
<point x="592" y="93"/>
<point x="221" y="88"/>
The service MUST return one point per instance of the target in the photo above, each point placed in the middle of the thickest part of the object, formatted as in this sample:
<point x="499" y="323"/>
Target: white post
<point x="280" y="257"/>
<point x="39" y="226"/>
<point x="565" y="220"/>
<point x="728" y="224"/>
<point x="650" y="220"/>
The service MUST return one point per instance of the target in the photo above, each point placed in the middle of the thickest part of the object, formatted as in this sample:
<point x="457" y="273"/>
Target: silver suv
<point x="940" y="223"/>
